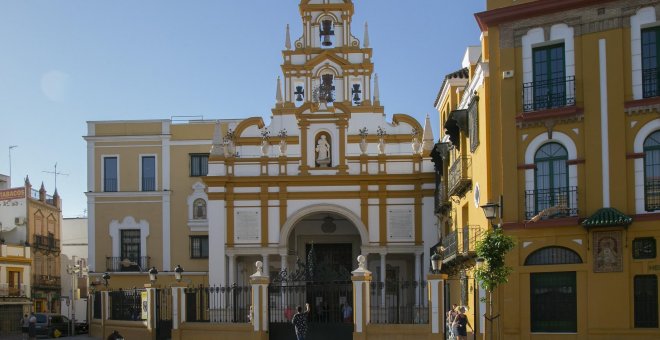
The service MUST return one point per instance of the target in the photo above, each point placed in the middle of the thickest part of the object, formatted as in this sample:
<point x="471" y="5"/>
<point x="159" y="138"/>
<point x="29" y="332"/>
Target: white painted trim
<point x="91" y="175"/>
<point x="638" y="147"/>
<point x="128" y="223"/>
<point x="294" y="218"/>
<point x="359" y="305"/>
<point x="191" y="142"/>
<point x="140" y="156"/>
<point x="604" y="133"/>
<point x="103" y="157"/>
<point x="91" y="233"/>
<point x="119" y="194"/>
<point x="149" y="138"/>
<point x="167" y="235"/>
<point x="643" y="16"/>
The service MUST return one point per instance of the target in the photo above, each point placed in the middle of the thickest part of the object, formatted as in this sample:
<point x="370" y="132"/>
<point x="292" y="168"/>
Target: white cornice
<point x="120" y="194"/>
<point x="450" y="83"/>
<point x="138" y="138"/>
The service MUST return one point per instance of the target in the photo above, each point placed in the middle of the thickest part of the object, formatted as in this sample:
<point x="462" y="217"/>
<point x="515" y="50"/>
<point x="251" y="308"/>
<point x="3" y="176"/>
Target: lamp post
<point x="492" y="210"/>
<point x="436" y="263"/>
<point x="178" y="273"/>
<point x="152" y="275"/>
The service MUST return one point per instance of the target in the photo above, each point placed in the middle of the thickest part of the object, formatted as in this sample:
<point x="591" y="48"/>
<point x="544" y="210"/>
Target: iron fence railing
<point x="650" y="82"/>
<point x="218" y="304"/>
<point x="110" y="185"/>
<point x="450" y="245"/>
<point x="399" y="302"/>
<point x="13" y="291"/>
<point x="460" y="175"/>
<point x="551" y="203"/>
<point x="549" y="94"/>
<point x="46" y="280"/>
<point x="126" y="304"/>
<point x="148" y="184"/>
<point x="96" y="312"/>
<point x="119" y="264"/>
<point x="652" y="194"/>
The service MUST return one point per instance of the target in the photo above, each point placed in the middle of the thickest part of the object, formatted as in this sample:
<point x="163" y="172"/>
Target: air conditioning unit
<point x="19" y="220"/>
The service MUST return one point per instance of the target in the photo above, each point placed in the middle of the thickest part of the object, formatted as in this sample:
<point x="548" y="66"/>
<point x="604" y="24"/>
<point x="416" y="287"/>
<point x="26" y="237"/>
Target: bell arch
<point x="299" y="215"/>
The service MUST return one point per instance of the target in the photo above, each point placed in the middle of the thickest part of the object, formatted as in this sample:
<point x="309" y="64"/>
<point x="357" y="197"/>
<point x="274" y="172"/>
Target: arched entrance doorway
<point x="321" y="247"/>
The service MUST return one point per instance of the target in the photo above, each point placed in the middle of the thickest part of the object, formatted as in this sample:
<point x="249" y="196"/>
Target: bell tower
<point x="326" y="65"/>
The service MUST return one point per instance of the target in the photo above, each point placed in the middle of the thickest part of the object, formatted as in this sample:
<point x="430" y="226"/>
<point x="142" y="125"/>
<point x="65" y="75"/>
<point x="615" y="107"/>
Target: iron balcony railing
<point x="148" y="184"/>
<point x="48" y="243"/>
<point x="126" y="305"/>
<point x="119" y="264"/>
<point x="46" y="281"/>
<point x="650" y="82"/>
<point x="460" y="176"/>
<point x="461" y="243"/>
<point x="441" y="199"/>
<point x="110" y="185"/>
<point x="652" y="194"/>
<point x="399" y="302"/>
<point x="549" y="94"/>
<point x="550" y="203"/>
<point x="13" y="291"/>
<point x="218" y="304"/>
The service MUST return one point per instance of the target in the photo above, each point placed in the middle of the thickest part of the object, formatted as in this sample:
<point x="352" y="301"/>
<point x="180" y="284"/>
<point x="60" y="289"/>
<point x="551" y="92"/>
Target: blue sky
<point x="67" y="62"/>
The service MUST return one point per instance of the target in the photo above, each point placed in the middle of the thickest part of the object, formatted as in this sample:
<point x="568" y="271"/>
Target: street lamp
<point x="436" y="263"/>
<point x="492" y="210"/>
<point x="106" y="278"/>
<point x="152" y="275"/>
<point x="178" y="271"/>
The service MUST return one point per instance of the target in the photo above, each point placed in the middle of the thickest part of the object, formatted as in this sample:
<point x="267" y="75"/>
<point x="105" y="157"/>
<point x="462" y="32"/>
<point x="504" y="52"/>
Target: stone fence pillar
<point x="361" y="291"/>
<point x="436" y="286"/>
<point x="259" y="308"/>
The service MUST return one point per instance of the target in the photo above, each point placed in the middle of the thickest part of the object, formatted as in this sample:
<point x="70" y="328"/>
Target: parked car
<point x="49" y="323"/>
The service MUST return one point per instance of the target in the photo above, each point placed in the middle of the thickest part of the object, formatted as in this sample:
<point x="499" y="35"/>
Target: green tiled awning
<point x="607" y="217"/>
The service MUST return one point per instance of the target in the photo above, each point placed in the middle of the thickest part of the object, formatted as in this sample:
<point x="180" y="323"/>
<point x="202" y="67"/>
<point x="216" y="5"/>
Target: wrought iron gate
<point x="329" y="293"/>
<point x="163" y="313"/>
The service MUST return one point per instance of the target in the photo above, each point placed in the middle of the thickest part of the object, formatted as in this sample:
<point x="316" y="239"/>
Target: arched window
<point x="551" y="177"/>
<point x="652" y="171"/>
<point x="199" y="209"/>
<point x="552" y="255"/>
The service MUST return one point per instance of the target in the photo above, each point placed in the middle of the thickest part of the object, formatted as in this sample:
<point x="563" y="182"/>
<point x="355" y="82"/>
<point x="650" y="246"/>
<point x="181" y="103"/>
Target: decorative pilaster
<point x="259" y="310"/>
<point x="361" y="283"/>
<point x="436" y="283"/>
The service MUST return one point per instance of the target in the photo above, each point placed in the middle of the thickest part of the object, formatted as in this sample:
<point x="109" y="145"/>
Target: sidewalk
<point x="81" y="337"/>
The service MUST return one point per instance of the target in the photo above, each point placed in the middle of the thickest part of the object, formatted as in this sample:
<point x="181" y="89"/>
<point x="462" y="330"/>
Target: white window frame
<point x="103" y="157"/>
<point x="638" y="147"/>
<point x="128" y="223"/>
<point x="198" y="192"/>
<point x="644" y="18"/>
<point x="155" y="156"/>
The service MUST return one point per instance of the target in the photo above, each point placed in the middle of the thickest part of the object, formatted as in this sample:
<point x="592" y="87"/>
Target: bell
<point x="326" y="31"/>
<point x="300" y="92"/>
<point x="326" y="41"/>
<point x="356" y="98"/>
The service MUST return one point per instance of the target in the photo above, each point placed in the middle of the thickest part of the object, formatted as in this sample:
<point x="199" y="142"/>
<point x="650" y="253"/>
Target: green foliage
<point x="492" y="248"/>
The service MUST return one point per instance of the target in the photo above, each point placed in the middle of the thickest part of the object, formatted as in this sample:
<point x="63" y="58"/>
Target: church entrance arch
<point x="322" y="243"/>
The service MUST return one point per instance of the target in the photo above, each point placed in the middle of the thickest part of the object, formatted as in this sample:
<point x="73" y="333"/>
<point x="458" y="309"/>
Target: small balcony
<point x="652" y="194"/>
<point x="551" y="203"/>
<point x="118" y="264"/>
<point x="650" y="82"/>
<point x="549" y="94"/>
<point x="13" y="291"/>
<point x="460" y="176"/>
<point x="110" y="185"/>
<point x="46" y="281"/>
<point x="46" y="243"/>
<point x="461" y="244"/>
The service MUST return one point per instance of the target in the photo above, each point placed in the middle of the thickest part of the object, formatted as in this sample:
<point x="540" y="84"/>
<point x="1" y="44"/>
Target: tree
<point x="492" y="249"/>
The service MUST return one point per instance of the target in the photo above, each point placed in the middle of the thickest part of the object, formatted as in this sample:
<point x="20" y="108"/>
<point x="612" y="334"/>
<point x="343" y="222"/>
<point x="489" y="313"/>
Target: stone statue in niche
<point x="323" y="152"/>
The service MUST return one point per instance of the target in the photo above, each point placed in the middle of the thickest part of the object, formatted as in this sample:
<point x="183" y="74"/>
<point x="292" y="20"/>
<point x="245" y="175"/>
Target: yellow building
<point x="567" y="131"/>
<point x="29" y="257"/>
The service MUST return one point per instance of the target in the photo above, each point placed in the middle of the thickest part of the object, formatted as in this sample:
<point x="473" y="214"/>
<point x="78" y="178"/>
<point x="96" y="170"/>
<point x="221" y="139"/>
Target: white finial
<point x="260" y="267"/>
<point x="287" y="42"/>
<point x="427" y="139"/>
<point x="362" y="267"/>
<point x="362" y="261"/>
<point x="217" y="149"/>
<point x="376" y="91"/>
<point x="278" y="93"/>
<point x="366" y="34"/>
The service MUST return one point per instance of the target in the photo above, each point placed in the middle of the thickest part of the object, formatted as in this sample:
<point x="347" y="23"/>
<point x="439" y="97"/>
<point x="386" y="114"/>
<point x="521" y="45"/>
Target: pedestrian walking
<point x="451" y="315"/>
<point x="25" y="326"/>
<point x="32" y="327"/>
<point x="299" y="321"/>
<point x="458" y="326"/>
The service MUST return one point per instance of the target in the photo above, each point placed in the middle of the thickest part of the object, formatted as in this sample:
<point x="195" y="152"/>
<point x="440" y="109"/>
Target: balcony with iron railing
<point x="650" y="83"/>
<point x="46" y="281"/>
<point x="461" y="244"/>
<point x="551" y="203"/>
<point x="35" y="195"/>
<point x="13" y="291"/>
<point x="119" y="264"/>
<point x="46" y="243"/>
<point x="652" y="194"/>
<point x="460" y="176"/>
<point x="549" y="94"/>
<point x="148" y="184"/>
<point x="110" y="185"/>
